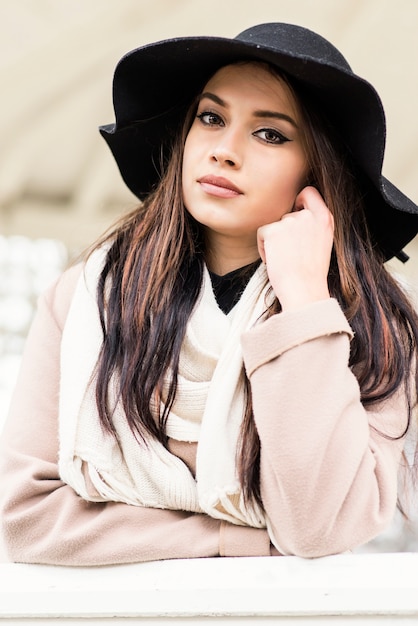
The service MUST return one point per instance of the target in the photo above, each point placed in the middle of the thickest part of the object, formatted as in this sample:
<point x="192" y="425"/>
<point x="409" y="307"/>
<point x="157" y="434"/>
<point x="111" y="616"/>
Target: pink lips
<point x="219" y="186"/>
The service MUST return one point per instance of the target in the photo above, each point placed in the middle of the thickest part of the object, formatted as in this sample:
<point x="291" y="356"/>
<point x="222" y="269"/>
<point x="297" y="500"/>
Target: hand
<point x="297" y="251"/>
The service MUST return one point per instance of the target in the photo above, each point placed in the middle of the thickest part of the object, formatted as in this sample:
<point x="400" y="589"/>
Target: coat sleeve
<point x="328" y="476"/>
<point x="44" y="520"/>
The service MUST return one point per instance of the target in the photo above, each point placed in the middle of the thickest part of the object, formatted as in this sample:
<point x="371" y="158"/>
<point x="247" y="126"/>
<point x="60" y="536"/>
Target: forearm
<point x="45" y="521"/>
<point x="328" y="482"/>
<point x="55" y="526"/>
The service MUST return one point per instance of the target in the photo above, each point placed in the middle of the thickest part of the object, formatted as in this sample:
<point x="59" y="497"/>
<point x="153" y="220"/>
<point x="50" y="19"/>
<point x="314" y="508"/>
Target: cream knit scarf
<point x="208" y="409"/>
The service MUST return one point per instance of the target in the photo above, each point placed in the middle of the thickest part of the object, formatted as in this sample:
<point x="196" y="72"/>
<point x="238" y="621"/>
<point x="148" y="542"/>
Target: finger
<point x="310" y="198"/>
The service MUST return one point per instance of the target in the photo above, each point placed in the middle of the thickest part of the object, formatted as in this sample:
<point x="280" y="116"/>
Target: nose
<point x="221" y="157"/>
<point x="228" y="150"/>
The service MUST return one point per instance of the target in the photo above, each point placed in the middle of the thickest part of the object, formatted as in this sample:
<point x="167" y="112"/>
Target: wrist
<point x="298" y="297"/>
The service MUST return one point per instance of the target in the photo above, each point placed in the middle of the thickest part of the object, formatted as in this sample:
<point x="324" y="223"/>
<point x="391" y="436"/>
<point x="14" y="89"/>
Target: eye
<point x="269" y="135"/>
<point x="209" y="118"/>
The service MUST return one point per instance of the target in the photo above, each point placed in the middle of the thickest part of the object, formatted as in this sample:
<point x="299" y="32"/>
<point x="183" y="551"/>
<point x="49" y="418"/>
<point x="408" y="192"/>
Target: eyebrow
<point x="259" y="113"/>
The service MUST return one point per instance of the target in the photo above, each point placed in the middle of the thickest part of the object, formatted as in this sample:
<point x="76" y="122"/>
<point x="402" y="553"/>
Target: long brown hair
<point x="153" y="273"/>
<point x="146" y="293"/>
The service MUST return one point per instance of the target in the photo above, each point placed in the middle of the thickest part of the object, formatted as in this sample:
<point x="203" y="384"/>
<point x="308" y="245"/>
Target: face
<point x="244" y="161"/>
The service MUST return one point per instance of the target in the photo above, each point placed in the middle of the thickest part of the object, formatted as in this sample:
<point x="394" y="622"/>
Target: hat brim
<point x="154" y="86"/>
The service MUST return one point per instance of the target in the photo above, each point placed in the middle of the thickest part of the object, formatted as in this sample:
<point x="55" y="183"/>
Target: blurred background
<point x="59" y="187"/>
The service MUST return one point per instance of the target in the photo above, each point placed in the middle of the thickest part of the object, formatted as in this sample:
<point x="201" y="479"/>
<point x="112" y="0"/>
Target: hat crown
<point x="154" y="85"/>
<point x="296" y="40"/>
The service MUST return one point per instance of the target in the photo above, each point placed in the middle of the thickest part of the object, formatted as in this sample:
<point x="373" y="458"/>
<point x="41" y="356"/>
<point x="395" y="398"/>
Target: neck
<point x="223" y="257"/>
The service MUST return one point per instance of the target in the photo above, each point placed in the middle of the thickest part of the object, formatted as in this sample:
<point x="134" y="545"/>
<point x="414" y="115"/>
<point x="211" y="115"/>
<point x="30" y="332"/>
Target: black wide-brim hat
<point x="154" y="85"/>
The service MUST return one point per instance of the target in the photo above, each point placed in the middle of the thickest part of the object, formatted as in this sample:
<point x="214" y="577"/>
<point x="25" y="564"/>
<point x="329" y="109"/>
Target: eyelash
<point x="280" y="138"/>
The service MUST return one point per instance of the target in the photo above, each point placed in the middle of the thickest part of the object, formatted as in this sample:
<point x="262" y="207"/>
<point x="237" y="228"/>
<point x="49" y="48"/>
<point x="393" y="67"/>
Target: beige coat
<point x="328" y="480"/>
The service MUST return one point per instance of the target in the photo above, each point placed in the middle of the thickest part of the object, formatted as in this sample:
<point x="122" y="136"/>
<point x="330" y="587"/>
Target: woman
<point x="229" y="372"/>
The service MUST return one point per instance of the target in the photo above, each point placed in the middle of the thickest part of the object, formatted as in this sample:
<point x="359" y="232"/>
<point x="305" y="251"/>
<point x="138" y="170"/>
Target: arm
<point x="328" y="479"/>
<point x="44" y="520"/>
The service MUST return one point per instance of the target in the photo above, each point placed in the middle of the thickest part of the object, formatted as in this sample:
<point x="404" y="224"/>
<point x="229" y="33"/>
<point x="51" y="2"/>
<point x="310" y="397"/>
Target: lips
<point x="219" y="186"/>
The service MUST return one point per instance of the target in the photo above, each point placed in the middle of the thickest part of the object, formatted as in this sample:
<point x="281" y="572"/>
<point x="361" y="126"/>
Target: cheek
<point x="286" y="183"/>
<point x="296" y="176"/>
<point x="190" y="156"/>
<point x="303" y="170"/>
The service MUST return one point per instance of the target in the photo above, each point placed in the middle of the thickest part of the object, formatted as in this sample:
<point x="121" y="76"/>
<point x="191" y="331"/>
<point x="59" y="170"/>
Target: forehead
<point x="255" y="80"/>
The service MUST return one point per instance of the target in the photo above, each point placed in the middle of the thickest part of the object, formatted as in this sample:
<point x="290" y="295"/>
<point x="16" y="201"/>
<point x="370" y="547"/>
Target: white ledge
<point x="344" y="587"/>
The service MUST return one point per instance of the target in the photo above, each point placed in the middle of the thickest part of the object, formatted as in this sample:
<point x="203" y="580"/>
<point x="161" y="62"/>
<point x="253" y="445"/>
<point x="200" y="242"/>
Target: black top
<point x="229" y="287"/>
